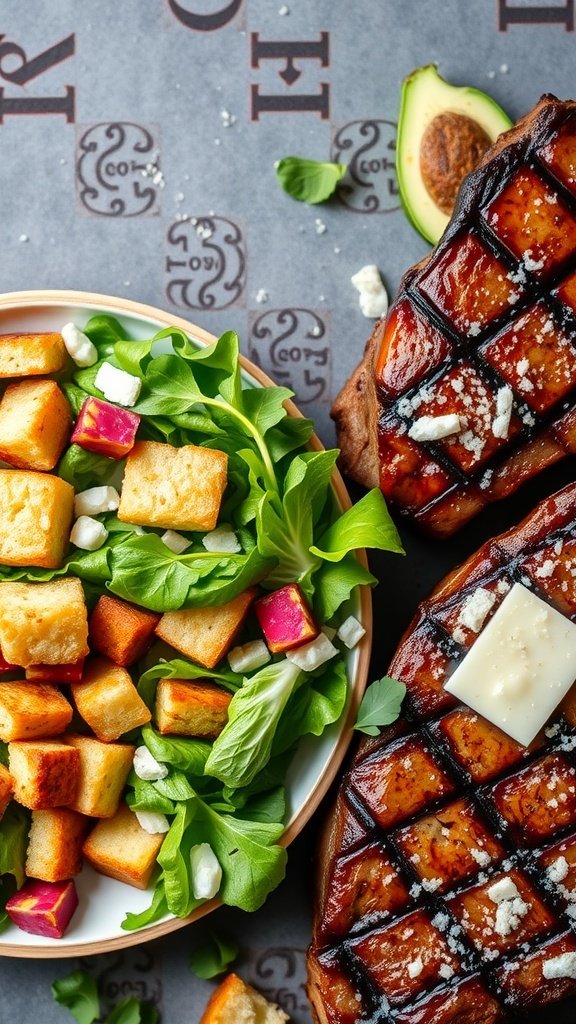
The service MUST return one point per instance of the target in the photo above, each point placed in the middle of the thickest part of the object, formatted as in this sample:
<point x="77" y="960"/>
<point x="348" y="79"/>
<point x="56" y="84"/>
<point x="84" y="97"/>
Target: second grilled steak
<point x="487" y="322"/>
<point x="442" y="807"/>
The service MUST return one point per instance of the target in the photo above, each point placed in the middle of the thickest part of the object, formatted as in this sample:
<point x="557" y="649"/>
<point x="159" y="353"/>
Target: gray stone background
<point x="93" y="92"/>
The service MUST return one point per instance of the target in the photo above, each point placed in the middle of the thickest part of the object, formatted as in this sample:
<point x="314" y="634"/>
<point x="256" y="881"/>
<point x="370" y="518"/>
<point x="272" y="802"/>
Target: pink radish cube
<point x="105" y="428"/>
<point x="43" y="908"/>
<point x="286" y="619"/>
<point x="56" y="674"/>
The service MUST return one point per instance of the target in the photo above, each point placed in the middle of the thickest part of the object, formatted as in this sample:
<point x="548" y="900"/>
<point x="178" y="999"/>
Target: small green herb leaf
<point x="78" y="993"/>
<point x="309" y="181"/>
<point x="213" y="957"/>
<point x="380" y="705"/>
<point x="366" y="524"/>
<point x="132" y="1011"/>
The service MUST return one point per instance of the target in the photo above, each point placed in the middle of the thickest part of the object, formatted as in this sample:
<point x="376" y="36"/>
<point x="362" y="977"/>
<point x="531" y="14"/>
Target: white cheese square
<point x="117" y="385"/>
<point x="175" y="542"/>
<point x="311" y="656"/>
<point x="88" y="534"/>
<point x="249" y="656"/>
<point x="222" y="540"/>
<point x="78" y="346"/>
<point x="96" y="500"/>
<point x="520" y="667"/>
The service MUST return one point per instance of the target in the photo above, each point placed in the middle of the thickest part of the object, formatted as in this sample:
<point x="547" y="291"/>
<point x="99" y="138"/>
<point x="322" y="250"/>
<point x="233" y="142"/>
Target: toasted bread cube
<point x="34" y="424"/>
<point x="55" y="844"/>
<point x="46" y="773"/>
<point x="108" y="701"/>
<point x="235" y="1002"/>
<point x="175" y="488"/>
<point x="28" y="355"/>
<point x="191" y="708"/>
<point x="6" y="789"/>
<point x="32" y="711"/>
<point x="104" y="768"/>
<point x="43" y="623"/>
<point x="35" y="516"/>
<point x="205" y="635"/>
<point x="120" y="630"/>
<point x="122" y="849"/>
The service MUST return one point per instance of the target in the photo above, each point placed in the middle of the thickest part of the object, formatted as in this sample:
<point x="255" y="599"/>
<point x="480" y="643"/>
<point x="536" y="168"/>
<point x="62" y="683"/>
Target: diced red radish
<point x="105" y="428"/>
<point x="286" y="619"/>
<point x="43" y="908"/>
<point x="56" y="673"/>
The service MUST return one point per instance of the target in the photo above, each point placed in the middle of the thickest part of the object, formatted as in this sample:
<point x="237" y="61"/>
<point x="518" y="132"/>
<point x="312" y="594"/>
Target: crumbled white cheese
<point x="415" y="967"/>
<point x="78" y="345"/>
<point x="95" y="500"/>
<point x="175" y="542"/>
<point x="247" y="657"/>
<point x="509" y="914"/>
<point x="146" y="766"/>
<point x="88" y="534"/>
<point x="321" y="228"/>
<point x="227" y="118"/>
<point x="153" y="822"/>
<point x="504" y="889"/>
<point x="206" y="872"/>
<point x="475" y="609"/>
<point x="563" y="966"/>
<point x="482" y="858"/>
<point x="314" y="654"/>
<point x="446" y="972"/>
<point x="372" y="297"/>
<point x="261" y="295"/>
<point x="117" y="385"/>
<point x="351" y="632"/>
<point x="222" y="539"/>
<point x="501" y="422"/>
<point x="433" y="428"/>
<point x="558" y="870"/>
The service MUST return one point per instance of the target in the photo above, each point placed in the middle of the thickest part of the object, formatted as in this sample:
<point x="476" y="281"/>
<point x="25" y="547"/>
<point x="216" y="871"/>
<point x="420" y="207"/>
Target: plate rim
<point x="145" y="311"/>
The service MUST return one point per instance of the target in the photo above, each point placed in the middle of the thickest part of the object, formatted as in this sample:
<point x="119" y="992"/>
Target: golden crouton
<point x="34" y="424"/>
<point x="104" y="768"/>
<point x="122" y="849"/>
<point x="45" y="773"/>
<point x="36" y="512"/>
<point x="120" y="630"/>
<point x="191" y="708"/>
<point x="175" y="488"/>
<point x="205" y="634"/>
<point x="43" y="623"/>
<point x="6" y="789"/>
<point x="28" y="355"/>
<point x="235" y="1002"/>
<point x="108" y="700"/>
<point x="31" y="711"/>
<point x="55" y="844"/>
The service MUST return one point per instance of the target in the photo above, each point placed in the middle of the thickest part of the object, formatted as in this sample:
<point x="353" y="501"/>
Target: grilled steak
<point x="433" y="813"/>
<point x="488" y="320"/>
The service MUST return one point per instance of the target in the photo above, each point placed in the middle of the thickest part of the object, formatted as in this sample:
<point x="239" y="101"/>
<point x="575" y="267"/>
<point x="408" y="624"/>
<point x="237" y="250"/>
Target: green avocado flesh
<point x="425" y="96"/>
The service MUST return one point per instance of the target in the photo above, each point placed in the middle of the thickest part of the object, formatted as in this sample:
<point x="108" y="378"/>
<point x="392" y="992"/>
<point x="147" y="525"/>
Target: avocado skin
<point x="424" y="96"/>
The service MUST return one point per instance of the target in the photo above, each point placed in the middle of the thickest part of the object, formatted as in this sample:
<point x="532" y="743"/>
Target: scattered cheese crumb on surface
<point x="558" y="870"/>
<point x="433" y="428"/>
<point x="250" y="656"/>
<point x="563" y="966"/>
<point x="476" y="608"/>
<point x="262" y="295"/>
<point x="222" y="539"/>
<point x="351" y="632"/>
<point x="372" y="296"/>
<point x="153" y="822"/>
<point x="117" y="385"/>
<point x="175" y="541"/>
<point x="321" y="228"/>
<point x="78" y="345"/>
<point x="415" y="967"/>
<point x="501" y="422"/>
<point x="146" y="766"/>
<point x="314" y="654"/>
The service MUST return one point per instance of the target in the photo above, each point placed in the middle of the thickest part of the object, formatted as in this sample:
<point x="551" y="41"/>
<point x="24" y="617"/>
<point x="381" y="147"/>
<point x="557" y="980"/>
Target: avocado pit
<point x="452" y="145"/>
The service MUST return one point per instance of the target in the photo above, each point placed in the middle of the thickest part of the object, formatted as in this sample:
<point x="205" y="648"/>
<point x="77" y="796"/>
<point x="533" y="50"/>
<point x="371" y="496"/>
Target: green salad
<point x="226" y="793"/>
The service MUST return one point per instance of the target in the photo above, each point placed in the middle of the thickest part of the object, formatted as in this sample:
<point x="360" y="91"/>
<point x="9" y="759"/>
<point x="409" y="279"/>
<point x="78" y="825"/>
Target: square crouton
<point x="195" y="708"/>
<point x="45" y="773"/>
<point x="55" y="844"/>
<point x="43" y="623"/>
<point x="122" y="849"/>
<point x="175" y="488"/>
<point x="31" y="711"/>
<point x="6" y="789"/>
<point x="34" y="424"/>
<point x="108" y="701"/>
<point x="205" y="635"/>
<point x="104" y="768"/>
<point x="36" y="512"/>
<point x="120" y="630"/>
<point x="235" y="1002"/>
<point x="28" y="355"/>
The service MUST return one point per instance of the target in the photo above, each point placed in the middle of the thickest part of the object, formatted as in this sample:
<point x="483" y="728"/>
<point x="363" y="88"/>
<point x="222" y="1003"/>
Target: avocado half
<point x="476" y="122"/>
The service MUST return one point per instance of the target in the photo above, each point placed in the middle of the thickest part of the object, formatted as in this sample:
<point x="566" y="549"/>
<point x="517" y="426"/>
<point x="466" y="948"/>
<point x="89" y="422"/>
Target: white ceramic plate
<point x="95" y="927"/>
